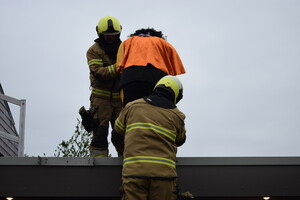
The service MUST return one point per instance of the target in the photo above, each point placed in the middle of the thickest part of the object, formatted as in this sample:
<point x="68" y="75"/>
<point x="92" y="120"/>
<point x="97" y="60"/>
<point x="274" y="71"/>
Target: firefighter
<point x="105" y="103"/>
<point x="142" y="60"/>
<point x="147" y="134"/>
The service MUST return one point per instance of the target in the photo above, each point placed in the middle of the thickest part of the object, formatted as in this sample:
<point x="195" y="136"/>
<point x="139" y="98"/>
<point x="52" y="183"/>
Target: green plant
<point x="77" y="145"/>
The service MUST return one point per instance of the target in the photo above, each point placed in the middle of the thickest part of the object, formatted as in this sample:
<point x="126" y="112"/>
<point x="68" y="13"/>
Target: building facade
<point x="8" y="148"/>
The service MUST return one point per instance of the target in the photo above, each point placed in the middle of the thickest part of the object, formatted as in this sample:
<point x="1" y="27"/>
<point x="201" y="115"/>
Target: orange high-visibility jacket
<point x="141" y="50"/>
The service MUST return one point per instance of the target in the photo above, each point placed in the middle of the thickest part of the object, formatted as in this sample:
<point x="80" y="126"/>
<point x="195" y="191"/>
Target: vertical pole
<point x="22" y="128"/>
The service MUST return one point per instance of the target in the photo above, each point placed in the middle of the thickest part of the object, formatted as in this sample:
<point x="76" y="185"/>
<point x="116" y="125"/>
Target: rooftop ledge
<point x="58" y="177"/>
<point x="181" y="161"/>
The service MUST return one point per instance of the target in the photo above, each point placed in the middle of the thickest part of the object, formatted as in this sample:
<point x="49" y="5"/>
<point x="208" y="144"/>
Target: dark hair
<point x="148" y="32"/>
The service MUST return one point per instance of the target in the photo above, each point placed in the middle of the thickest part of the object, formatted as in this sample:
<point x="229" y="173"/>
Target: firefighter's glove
<point x="88" y="122"/>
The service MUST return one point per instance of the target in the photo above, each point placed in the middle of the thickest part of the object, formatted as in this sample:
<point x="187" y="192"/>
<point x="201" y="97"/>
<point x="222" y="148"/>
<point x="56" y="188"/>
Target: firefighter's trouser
<point x="148" y="189"/>
<point x="99" y="143"/>
<point x="106" y="112"/>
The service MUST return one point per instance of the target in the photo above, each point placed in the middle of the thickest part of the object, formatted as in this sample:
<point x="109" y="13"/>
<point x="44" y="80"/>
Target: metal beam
<point x="10" y="99"/>
<point x="22" y="128"/>
<point x="101" y="177"/>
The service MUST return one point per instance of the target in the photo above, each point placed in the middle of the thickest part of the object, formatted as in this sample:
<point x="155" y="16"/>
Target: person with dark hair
<point x="105" y="98"/>
<point x="142" y="60"/>
<point x="147" y="134"/>
<point x="149" y="32"/>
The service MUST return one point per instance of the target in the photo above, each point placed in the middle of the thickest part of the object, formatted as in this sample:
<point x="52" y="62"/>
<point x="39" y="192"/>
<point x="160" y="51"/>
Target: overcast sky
<point x="241" y="88"/>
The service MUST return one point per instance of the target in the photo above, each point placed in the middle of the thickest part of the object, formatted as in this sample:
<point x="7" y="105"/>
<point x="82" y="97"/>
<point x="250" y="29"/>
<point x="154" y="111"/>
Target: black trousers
<point x="136" y="90"/>
<point x="139" y="81"/>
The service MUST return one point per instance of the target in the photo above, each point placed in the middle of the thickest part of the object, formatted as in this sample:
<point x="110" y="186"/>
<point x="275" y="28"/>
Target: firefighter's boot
<point x="98" y="152"/>
<point x="99" y="144"/>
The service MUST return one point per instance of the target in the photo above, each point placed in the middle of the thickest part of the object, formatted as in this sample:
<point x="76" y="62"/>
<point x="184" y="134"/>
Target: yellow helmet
<point x="109" y="26"/>
<point x="173" y="84"/>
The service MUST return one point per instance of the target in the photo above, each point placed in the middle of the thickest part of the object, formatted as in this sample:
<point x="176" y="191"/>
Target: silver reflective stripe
<point x="99" y="153"/>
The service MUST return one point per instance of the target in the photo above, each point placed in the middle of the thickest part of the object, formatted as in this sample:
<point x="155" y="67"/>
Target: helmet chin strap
<point x="97" y="31"/>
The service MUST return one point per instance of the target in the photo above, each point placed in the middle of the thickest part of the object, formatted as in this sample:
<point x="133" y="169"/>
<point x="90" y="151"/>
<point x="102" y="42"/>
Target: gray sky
<point x="241" y="89"/>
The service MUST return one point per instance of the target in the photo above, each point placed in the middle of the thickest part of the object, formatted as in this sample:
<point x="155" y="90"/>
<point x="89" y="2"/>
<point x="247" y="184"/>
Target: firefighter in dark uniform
<point x="147" y="134"/>
<point x="105" y="99"/>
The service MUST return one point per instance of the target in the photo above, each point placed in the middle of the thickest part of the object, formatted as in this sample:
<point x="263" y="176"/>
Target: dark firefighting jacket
<point x="103" y="76"/>
<point x="150" y="136"/>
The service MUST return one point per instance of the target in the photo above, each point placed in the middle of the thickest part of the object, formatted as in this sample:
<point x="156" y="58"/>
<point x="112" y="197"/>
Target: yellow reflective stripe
<point x="119" y="125"/>
<point x="105" y="93"/>
<point x="116" y="95"/>
<point x="153" y="127"/>
<point x="95" y="61"/>
<point x="149" y="159"/>
<point x="112" y="70"/>
<point x="101" y="92"/>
